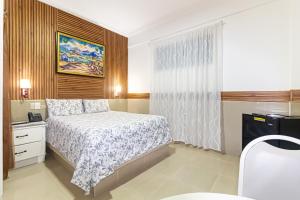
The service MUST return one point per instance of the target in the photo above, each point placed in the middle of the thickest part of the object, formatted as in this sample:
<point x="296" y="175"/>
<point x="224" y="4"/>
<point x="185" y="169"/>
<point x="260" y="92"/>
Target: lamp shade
<point x="25" y="84"/>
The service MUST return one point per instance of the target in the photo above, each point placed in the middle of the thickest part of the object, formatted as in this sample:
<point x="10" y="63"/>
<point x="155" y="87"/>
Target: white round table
<point x="206" y="196"/>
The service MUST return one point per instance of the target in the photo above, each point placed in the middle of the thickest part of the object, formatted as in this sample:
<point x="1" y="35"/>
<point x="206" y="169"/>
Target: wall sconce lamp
<point x="118" y="90"/>
<point x="25" y="86"/>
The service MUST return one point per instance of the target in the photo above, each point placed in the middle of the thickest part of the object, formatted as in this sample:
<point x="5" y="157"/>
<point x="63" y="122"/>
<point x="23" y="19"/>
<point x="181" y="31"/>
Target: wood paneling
<point x="29" y="45"/>
<point x="295" y="95"/>
<point x="257" y="96"/>
<point x="72" y="86"/>
<point x="6" y="95"/>
<point x="32" y="28"/>
<point x="117" y="59"/>
<point x="78" y="27"/>
<point x="138" y="95"/>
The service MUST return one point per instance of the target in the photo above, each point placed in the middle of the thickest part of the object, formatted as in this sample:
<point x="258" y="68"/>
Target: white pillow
<point x="63" y="107"/>
<point x="94" y="106"/>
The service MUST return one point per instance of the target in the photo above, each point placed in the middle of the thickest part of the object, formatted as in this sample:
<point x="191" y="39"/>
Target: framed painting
<point x="80" y="57"/>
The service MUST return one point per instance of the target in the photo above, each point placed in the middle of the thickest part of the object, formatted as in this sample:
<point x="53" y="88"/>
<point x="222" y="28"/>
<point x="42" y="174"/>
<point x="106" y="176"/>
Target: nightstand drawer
<point x="26" y="135"/>
<point x="26" y="151"/>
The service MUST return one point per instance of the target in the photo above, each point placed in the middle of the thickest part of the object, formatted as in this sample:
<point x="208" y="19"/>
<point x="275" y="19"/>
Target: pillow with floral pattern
<point x="94" y="106"/>
<point x="64" y="107"/>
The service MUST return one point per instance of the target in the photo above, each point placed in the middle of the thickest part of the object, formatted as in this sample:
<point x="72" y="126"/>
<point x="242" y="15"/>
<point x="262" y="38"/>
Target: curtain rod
<point x="211" y="21"/>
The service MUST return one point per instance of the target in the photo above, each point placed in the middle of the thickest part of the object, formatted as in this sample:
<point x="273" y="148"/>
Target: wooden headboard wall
<point x="29" y="52"/>
<point x="31" y="45"/>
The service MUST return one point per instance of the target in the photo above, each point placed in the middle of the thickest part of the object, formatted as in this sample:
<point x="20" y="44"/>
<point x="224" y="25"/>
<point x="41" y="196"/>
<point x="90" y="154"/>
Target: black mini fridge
<point x="290" y="126"/>
<point x="256" y="125"/>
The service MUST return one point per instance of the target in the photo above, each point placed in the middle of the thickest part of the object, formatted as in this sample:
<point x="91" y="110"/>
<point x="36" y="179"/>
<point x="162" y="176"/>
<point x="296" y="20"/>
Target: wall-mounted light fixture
<point x="25" y="86"/>
<point x="118" y="90"/>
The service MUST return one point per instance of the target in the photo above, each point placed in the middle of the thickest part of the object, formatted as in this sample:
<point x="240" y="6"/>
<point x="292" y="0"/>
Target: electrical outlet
<point x="37" y="105"/>
<point x="32" y="106"/>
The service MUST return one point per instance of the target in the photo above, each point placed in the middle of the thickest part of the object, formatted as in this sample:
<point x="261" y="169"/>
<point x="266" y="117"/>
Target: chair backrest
<point x="268" y="172"/>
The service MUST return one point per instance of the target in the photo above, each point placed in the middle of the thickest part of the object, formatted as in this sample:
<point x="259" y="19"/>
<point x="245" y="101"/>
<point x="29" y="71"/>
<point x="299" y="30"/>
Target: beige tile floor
<point x="187" y="170"/>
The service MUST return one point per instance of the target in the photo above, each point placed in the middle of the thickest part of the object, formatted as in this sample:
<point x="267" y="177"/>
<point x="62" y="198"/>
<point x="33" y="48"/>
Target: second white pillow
<point x="94" y="106"/>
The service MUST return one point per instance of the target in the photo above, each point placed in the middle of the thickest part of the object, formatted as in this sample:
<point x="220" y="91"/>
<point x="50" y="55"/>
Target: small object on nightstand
<point x="29" y="143"/>
<point x="34" y="117"/>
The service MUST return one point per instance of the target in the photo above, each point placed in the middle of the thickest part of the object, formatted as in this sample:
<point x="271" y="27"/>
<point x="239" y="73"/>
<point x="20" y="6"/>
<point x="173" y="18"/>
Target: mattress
<point x="96" y="144"/>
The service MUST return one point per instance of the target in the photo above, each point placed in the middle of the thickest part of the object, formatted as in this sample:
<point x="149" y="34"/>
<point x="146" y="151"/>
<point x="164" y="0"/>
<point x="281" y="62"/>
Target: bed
<point x="105" y="149"/>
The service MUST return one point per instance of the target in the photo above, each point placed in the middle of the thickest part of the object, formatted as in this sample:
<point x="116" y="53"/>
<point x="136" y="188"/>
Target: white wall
<point x="295" y="21"/>
<point x="1" y="96"/>
<point x="257" y="47"/>
<point x="139" y="72"/>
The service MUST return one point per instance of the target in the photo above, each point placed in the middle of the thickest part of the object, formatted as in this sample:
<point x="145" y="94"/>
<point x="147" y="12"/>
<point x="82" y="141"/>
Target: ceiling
<point x="128" y="17"/>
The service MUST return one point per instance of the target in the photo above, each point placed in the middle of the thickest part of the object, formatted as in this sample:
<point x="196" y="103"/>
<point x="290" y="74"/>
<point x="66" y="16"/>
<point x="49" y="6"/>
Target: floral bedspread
<point x="98" y="143"/>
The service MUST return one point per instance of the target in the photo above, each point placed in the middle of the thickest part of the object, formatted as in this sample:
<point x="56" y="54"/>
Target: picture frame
<point x="79" y="56"/>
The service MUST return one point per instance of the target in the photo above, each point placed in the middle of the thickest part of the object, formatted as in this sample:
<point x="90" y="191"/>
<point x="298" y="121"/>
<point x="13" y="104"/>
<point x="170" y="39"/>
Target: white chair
<point x="268" y="172"/>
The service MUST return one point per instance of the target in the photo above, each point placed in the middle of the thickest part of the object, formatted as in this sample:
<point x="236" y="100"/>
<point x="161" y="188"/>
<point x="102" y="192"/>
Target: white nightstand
<point x="29" y="143"/>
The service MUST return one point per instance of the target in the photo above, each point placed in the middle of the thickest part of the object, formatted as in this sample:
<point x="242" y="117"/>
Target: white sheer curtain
<point x="187" y="83"/>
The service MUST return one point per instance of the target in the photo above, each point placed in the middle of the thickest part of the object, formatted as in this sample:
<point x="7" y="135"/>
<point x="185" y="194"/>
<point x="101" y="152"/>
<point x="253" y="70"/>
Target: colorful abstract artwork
<point x="78" y="56"/>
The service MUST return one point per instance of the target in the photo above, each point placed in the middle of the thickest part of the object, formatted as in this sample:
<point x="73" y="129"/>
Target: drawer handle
<point x="21" y="136"/>
<point x="18" y="153"/>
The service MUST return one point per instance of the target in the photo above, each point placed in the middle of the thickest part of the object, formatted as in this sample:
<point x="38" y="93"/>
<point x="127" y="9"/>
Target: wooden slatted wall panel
<point x="31" y="48"/>
<point x="6" y="91"/>
<point x="70" y="86"/>
<point x="32" y="31"/>
<point x="73" y="86"/>
<point x="78" y="27"/>
<point x="29" y="45"/>
<point x="43" y="75"/>
<point x="117" y="60"/>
